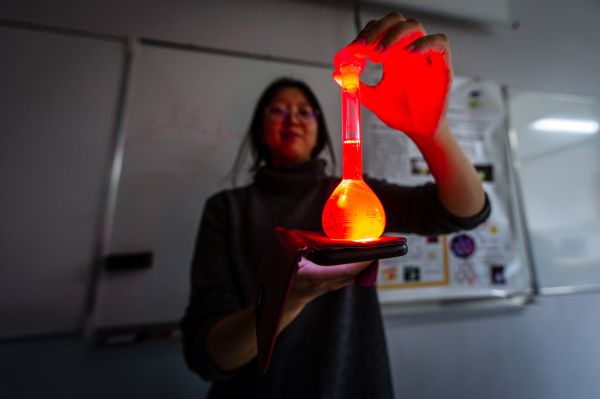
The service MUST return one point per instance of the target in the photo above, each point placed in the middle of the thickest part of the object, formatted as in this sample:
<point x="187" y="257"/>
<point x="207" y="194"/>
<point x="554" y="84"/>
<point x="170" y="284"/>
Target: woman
<point x="332" y="343"/>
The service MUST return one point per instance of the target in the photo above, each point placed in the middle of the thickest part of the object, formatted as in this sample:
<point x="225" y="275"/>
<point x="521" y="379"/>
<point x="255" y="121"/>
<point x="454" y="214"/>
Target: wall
<point x="546" y="350"/>
<point x="551" y="51"/>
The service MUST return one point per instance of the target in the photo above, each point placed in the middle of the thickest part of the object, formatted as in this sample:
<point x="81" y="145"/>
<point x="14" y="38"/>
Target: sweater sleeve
<point x="418" y="210"/>
<point x="213" y="294"/>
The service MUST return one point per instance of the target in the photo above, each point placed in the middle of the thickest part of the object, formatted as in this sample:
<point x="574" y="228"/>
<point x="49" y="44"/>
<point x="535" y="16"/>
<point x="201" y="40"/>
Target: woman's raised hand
<point x="413" y="93"/>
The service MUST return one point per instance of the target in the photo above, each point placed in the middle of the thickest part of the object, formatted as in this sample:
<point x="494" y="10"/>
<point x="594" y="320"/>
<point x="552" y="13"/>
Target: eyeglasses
<point x="277" y="112"/>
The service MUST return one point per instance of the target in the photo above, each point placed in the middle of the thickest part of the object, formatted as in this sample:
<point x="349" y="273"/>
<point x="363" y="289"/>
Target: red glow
<point x="411" y="97"/>
<point x="353" y="212"/>
<point x="413" y="92"/>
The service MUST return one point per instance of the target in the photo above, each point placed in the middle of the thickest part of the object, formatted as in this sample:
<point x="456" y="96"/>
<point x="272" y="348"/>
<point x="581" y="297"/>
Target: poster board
<point x="488" y="261"/>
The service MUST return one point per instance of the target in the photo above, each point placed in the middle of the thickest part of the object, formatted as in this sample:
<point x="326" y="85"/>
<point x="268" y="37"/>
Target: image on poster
<point x="482" y="262"/>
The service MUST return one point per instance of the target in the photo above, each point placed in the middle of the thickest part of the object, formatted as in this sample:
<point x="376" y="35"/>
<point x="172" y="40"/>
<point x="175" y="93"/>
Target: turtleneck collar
<point x="290" y="178"/>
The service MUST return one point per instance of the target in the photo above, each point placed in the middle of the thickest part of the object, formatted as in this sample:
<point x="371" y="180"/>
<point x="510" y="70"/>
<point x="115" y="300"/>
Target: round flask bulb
<point x="353" y="212"/>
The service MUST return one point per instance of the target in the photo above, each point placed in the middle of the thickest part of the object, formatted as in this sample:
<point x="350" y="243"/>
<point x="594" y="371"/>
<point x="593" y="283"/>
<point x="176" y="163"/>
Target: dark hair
<point x="260" y="152"/>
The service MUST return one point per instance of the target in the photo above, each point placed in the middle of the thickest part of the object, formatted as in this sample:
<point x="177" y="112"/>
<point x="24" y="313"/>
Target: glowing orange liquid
<point x="353" y="212"/>
<point x="352" y="159"/>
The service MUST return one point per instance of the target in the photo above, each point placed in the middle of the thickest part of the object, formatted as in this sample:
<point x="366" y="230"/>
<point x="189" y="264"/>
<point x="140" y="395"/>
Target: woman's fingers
<point x="324" y="274"/>
<point x="437" y="43"/>
<point x="402" y="31"/>
<point x="393" y="29"/>
<point x="375" y="28"/>
<point x="435" y="48"/>
<point x="314" y="280"/>
<point x="380" y="35"/>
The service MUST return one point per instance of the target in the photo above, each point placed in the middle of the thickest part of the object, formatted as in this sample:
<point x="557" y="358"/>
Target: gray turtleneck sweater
<point x="336" y="347"/>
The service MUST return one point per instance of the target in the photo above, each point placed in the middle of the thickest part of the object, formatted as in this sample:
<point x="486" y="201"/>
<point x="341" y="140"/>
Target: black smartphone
<point x="335" y="255"/>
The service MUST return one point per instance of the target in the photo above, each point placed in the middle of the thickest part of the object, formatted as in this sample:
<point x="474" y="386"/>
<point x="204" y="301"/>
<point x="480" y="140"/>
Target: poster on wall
<point x="483" y="262"/>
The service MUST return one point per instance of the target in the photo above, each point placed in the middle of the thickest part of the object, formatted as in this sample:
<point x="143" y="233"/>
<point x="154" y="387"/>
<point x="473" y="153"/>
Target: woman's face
<point x="290" y="127"/>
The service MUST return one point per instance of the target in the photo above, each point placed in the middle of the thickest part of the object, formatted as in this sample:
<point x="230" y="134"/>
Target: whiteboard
<point x="58" y="96"/>
<point x="560" y="182"/>
<point x="189" y="112"/>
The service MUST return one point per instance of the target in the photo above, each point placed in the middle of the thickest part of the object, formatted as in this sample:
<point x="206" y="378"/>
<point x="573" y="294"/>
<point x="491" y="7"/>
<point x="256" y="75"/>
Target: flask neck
<point x="351" y="122"/>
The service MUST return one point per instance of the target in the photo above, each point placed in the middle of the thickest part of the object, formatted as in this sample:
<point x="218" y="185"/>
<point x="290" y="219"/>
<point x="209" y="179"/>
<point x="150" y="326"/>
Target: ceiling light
<point x="576" y="126"/>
